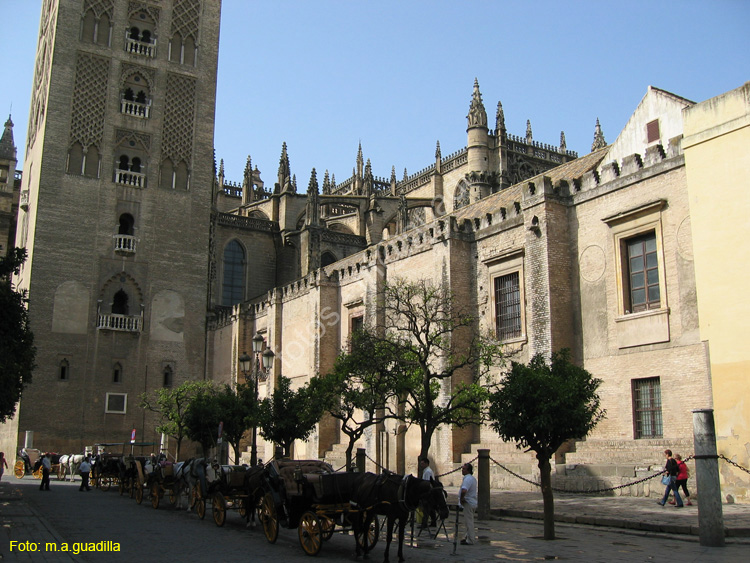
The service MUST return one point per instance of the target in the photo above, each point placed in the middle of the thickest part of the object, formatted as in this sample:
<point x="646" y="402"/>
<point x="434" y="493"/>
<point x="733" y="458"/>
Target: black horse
<point x="395" y="497"/>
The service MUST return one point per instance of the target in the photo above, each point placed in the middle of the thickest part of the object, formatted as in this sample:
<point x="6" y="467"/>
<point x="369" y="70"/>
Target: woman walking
<point x="682" y="477"/>
<point x="671" y="470"/>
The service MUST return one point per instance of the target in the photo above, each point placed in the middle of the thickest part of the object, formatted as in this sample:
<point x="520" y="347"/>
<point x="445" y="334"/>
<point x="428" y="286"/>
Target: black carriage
<point x="163" y="481"/>
<point x="310" y="496"/>
<point x="236" y="487"/>
<point x="106" y="471"/>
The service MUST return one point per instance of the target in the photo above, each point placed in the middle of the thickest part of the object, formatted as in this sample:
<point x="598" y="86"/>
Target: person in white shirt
<point x="468" y="499"/>
<point x="85" y="469"/>
<point x="427" y="474"/>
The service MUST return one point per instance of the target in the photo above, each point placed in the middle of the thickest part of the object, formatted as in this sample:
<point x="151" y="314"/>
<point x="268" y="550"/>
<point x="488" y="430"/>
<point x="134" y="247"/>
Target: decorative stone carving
<point x="89" y="100"/>
<point x="179" y="118"/>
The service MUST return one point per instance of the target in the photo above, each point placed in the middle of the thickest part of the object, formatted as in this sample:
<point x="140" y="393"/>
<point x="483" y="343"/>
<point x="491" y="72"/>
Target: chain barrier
<point x="730" y="462"/>
<point x="340" y="468"/>
<point x="376" y="463"/>
<point x="588" y="491"/>
<point x="456" y="469"/>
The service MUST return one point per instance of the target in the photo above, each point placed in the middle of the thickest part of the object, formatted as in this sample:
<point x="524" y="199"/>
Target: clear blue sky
<point x="398" y="75"/>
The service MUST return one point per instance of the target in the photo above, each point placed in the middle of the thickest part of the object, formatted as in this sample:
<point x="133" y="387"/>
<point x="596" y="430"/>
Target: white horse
<point x="69" y="464"/>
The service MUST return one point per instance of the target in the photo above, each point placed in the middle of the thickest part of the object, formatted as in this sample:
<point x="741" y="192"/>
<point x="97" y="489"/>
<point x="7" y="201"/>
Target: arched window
<point x="135" y="33"/>
<point x="167" y="174"/>
<point x="117" y="373"/>
<point x="88" y="31"/>
<point x="175" y="48"/>
<point x="126" y="224"/>
<point x="63" y="370"/>
<point x="120" y="303"/>
<point x="146" y="36"/>
<point x="167" y="377"/>
<point x="128" y="94"/>
<point x="181" y="176"/>
<point x="461" y="195"/>
<point x="327" y="259"/>
<point x="136" y="165"/>
<point x="124" y="163"/>
<point x="102" y="30"/>
<point x="233" y="286"/>
<point x="91" y="168"/>
<point x="188" y="51"/>
<point x="75" y="159"/>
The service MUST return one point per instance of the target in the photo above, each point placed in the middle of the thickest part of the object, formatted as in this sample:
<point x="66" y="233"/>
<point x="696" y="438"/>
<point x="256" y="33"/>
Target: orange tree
<point x="540" y="406"/>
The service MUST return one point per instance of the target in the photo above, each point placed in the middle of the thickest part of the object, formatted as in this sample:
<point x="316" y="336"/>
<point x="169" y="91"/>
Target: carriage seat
<point x="234" y="475"/>
<point x="294" y="473"/>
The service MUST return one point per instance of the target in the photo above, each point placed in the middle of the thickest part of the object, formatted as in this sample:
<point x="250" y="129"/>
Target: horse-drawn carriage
<point x="164" y="478"/>
<point x="29" y="461"/>
<point x="310" y="496"/>
<point x="107" y="470"/>
<point x="234" y="487"/>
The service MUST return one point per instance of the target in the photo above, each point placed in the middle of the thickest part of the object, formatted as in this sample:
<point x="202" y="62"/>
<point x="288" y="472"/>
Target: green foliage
<point x="172" y="405"/>
<point x="434" y="343"/>
<point x="363" y="387"/>
<point x="17" y="351"/>
<point x="238" y="411"/>
<point x="540" y="406"/>
<point x="290" y="415"/>
<point x="202" y="418"/>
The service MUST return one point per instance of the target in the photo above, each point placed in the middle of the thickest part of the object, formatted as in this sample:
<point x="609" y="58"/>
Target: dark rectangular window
<point x="652" y="131"/>
<point x="116" y="403"/>
<point x="647" y="408"/>
<point x="643" y="273"/>
<point x="508" y="306"/>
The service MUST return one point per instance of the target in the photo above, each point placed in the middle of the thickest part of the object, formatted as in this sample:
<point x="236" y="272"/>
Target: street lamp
<point x="256" y="374"/>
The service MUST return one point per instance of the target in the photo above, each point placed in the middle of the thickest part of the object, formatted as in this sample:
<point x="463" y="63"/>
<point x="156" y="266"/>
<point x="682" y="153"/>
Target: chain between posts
<point x="588" y="491"/>
<point x="730" y="462"/>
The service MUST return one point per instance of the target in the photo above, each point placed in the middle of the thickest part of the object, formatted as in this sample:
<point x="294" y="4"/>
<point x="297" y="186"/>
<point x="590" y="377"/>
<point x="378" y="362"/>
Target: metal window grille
<point x="507" y="306"/>
<point x="652" y="131"/>
<point x="647" y="408"/>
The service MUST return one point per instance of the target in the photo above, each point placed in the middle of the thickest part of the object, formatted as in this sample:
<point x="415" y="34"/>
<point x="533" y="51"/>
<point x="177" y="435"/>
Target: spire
<point x="477" y="115"/>
<point x="326" y="183"/>
<point x="529" y="135"/>
<point x="7" y="146"/>
<point x="312" y="200"/>
<point x="405" y="174"/>
<point x="312" y="186"/>
<point x="248" y="175"/>
<point x="437" y="151"/>
<point x="393" y="180"/>
<point x="599" y="141"/>
<point x="294" y="184"/>
<point x="360" y="160"/>
<point x="283" y="174"/>
<point x="499" y="119"/>
<point x="368" y="179"/>
<point x="563" y="144"/>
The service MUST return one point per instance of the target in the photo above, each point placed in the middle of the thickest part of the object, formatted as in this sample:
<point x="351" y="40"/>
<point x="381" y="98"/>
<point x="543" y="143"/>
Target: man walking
<point x="85" y="469"/>
<point x="468" y="499"/>
<point x="46" y="468"/>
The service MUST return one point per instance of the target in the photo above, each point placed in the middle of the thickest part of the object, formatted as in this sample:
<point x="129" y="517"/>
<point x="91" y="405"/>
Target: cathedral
<point x="147" y="267"/>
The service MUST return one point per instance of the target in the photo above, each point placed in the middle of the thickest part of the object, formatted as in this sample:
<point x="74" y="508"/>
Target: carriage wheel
<point x="105" y="483"/>
<point x="131" y="487"/>
<point x="200" y="508"/>
<point x="372" y="529"/>
<point x="172" y="496"/>
<point x="138" y="493"/>
<point x="310" y="533"/>
<point x="327" y="526"/>
<point x="19" y="469"/>
<point x="37" y="474"/>
<point x="219" y="509"/>
<point x="195" y="494"/>
<point x="155" y="495"/>
<point x="267" y="517"/>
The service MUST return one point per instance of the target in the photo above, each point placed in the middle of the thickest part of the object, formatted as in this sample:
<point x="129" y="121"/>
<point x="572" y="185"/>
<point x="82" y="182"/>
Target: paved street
<point x="144" y="534"/>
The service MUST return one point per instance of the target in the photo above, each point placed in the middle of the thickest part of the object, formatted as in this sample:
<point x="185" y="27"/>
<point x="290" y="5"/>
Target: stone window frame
<point x="117" y="372"/>
<point x="63" y="368"/>
<point x="502" y="265"/>
<point x="655" y="410"/>
<point x="109" y="410"/>
<point x="626" y="226"/>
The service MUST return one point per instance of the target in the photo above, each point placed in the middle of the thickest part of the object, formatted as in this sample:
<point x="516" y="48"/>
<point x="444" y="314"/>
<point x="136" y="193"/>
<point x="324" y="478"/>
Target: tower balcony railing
<point x="120" y="323"/>
<point x="125" y="244"/>
<point x="128" y="178"/>
<point x="141" y="48"/>
<point x="136" y="109"/>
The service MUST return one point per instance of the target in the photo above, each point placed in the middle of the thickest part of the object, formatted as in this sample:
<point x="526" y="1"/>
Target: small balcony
<point x="136" y="109"/>
<point x="142" y="48"/>
<point x="23" y="200"/>
<point x="124" y="244"/>
<point x="129" y="178"/>
<point x="120" y="323"/>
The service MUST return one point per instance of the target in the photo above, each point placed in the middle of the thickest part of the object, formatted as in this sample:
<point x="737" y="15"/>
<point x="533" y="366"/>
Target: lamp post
<point x="256" y="374"/>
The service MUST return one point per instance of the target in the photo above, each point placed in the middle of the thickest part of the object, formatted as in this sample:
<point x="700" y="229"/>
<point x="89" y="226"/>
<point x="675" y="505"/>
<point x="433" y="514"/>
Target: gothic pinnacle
<point x="499" y="118"/>
<point x="312" y="187"/>
<point x="529" y="135"/>
<point x="477" y="114"/>
<point x="599" y="141"/>
<point x="563" y="144"/>
<point x="437" y="151"/>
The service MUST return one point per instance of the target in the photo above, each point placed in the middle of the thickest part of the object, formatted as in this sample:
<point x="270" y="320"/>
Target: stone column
<point x="710" y="516"/>
<point x="483" y="482"/>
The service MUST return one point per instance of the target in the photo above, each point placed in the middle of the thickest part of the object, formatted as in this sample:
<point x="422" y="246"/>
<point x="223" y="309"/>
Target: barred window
<point x="508" y="306"/>
<point x="233" y="286"/>
<point x="647" y="408"/>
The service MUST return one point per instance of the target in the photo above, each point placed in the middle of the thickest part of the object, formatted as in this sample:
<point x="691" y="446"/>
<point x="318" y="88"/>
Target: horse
<point x="69" y="465"/>
<point x="255" y="479"/>
<point x="395" y="497"/>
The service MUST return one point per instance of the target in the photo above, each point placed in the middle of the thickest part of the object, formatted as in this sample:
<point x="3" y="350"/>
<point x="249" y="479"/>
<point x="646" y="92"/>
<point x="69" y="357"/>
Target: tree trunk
<point x="349" y="450"/>
<point x="549" y="502"/>
<point x="426" y="442"/>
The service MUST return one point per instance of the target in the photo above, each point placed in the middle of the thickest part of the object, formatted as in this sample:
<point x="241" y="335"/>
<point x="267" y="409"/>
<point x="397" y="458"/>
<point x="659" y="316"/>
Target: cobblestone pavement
<point x="591" y="528"/>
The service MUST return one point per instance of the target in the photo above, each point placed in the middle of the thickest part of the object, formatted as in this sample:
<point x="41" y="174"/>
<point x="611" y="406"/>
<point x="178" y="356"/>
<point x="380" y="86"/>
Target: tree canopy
<point x="289" y="415"/>
<point x="442" y="359"/>
<point x="172" y="403"/>
<point x="17" y="351"/>
<point x="540" y="406"/>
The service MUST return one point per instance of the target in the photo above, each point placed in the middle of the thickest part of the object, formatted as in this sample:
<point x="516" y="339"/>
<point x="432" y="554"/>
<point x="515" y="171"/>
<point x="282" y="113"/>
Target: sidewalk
<point x="631" y="513"/>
